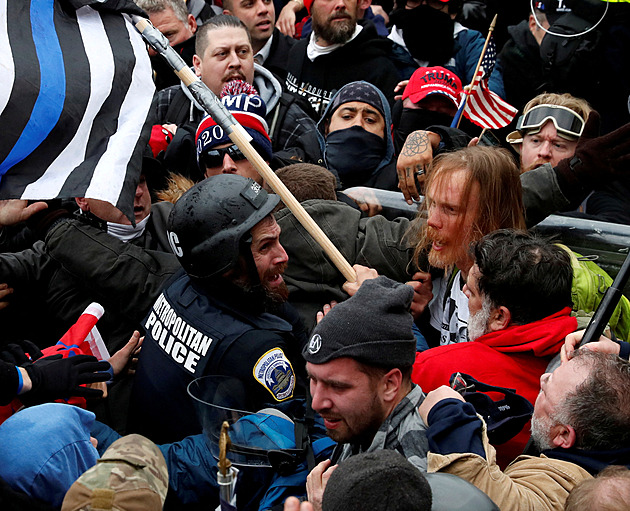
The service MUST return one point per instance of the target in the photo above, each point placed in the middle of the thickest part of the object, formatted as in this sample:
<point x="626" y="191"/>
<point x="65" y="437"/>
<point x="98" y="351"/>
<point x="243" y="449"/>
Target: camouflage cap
<point x="131" y="476"/>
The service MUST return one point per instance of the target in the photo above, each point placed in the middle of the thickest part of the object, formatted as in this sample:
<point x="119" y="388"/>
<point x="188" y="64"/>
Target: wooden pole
<point x="296" y="208"/>
<point x="241" y="138"/>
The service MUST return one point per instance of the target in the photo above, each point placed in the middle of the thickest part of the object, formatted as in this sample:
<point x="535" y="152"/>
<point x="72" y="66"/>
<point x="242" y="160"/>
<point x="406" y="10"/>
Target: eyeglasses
<point x="566" y="121"/>
<point x="459" y="384"/>
<point x="214" y="157"/>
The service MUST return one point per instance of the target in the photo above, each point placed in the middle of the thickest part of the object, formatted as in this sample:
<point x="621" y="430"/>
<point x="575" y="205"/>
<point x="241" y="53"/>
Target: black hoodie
<point x="522" y="66"/>
<point x="366" y="57"/>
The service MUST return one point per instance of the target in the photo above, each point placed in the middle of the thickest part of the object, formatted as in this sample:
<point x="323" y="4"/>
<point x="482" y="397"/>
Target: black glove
<point x="15" y="353"/>
<point x="55" y="377"/>
<point x="596" y="159"/>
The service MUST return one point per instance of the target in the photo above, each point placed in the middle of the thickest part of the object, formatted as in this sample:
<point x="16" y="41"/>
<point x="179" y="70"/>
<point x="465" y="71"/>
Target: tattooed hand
<point x="413" y="161"/>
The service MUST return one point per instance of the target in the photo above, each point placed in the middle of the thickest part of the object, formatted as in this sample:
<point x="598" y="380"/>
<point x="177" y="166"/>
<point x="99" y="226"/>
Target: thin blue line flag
<point x="75" y="95"/>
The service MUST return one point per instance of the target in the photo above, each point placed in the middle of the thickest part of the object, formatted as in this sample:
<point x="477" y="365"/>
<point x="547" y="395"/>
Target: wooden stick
<point x="485" y="44"/>
<point x="241" y="138"/>
<point x="470" y="86"/>
<point x="296" y="208"/>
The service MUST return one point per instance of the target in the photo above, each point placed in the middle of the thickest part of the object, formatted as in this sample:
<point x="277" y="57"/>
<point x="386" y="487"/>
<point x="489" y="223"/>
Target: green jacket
<point x="375" y="242"/>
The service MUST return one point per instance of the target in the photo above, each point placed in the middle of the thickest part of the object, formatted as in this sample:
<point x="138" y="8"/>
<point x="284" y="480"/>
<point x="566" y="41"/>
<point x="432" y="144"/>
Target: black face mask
<point x="427" y="32"/>
<point x="354" y="154"/>
<point x="413" y="119"/>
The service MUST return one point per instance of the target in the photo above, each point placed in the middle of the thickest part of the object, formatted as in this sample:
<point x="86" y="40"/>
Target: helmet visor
<point x="567" y="122"/>
<point x="253" y="435"/>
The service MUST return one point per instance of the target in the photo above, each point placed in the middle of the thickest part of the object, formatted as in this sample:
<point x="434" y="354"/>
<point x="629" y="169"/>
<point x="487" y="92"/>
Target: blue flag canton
<point x="489" y="58"/>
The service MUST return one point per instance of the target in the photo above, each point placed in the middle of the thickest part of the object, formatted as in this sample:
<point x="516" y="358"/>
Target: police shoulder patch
<point x="274" y="372"/>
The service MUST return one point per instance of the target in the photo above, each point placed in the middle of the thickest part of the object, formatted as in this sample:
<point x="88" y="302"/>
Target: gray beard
<point x="478" y="322"/>
<point x="540" y="433"/>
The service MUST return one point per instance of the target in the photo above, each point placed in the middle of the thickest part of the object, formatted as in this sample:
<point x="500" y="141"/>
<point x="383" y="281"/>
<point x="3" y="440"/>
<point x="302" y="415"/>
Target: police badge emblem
<point x="274" y="372"/>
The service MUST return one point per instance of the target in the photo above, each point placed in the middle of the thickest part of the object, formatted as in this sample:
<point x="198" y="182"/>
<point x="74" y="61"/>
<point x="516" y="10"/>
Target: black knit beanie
<point x="379" y="481"/>
<point x="373" y="327"/>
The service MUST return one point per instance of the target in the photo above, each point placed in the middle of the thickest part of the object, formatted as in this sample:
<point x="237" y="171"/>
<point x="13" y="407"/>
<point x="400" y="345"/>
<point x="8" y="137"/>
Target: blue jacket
<point x="467" y="50"/>
<point x="45" y="448"/>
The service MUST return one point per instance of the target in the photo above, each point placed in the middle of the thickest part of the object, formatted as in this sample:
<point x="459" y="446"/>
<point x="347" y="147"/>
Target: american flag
<point x="489" y="59"/>
<point x="75" y="93"/>
<point x="484" y="107"/>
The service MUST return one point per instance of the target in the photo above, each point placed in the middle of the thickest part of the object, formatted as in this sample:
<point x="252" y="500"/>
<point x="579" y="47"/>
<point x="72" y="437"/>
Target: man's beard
<point x="338" y="32"/>
<point x="540" y="432"/>
<point x="478" y="322"/>
<point x="278" y="294"/>
<point x="274" y="295"/>
<point x="361" y="427"/>
<point x="449" y="256"/>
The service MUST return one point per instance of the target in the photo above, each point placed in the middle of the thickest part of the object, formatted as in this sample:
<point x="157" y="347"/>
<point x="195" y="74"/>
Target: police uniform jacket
<point x="193" y="331"/>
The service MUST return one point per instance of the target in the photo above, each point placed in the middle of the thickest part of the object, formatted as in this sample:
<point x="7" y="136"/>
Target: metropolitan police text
<point x="176" y="337"/>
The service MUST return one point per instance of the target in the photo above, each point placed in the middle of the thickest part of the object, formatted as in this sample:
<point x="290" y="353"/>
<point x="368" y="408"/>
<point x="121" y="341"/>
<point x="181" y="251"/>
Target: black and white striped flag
<point x="75" y="94"/>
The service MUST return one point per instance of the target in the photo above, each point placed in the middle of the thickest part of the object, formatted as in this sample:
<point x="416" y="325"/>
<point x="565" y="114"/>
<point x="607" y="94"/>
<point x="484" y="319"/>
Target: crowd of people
<point x="447" y="375"/>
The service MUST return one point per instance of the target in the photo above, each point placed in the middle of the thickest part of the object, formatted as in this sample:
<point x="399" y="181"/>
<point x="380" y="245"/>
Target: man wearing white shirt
<point x="339" y="51"/>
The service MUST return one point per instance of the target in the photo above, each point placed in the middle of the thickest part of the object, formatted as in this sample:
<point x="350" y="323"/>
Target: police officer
<point x="223" y="315"/>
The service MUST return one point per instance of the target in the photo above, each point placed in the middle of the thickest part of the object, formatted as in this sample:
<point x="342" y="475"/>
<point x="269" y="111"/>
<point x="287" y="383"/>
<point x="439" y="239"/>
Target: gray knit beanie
<point x="380" y="481"/>
<point x="373" y="327"/>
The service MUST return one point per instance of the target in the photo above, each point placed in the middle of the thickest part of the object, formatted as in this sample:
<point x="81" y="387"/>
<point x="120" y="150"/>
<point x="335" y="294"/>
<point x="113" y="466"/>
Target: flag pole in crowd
<point x="479" y="104"/>
<point x="206" y="98"/>
<point x="474" y="82"/>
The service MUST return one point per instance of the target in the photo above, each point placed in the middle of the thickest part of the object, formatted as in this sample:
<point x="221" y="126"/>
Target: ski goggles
<point x="214" y="157"/>
<point x="568" y="123"/>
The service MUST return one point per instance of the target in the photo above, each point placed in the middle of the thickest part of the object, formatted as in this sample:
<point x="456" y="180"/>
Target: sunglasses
<point x="566" y="121"/>
<point x="214" y="157"/>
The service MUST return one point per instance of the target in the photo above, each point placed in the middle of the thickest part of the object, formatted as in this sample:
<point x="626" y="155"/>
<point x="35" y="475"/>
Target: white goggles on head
<point x="567" y="122"/>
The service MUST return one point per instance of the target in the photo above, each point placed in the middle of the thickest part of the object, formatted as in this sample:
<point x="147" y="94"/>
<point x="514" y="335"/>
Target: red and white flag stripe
<point x="486" y="108"/>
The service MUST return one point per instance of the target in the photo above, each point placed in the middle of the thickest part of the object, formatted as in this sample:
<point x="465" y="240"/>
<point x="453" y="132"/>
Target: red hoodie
<point x="515" y="357"/>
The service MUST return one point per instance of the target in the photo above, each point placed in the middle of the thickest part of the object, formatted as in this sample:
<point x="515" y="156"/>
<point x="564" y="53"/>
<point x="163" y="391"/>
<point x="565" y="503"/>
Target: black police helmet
<point x="208" y="222"/>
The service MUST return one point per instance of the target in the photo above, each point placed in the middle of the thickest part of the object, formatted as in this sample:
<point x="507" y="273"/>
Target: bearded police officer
<point x="224" y="315"/>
